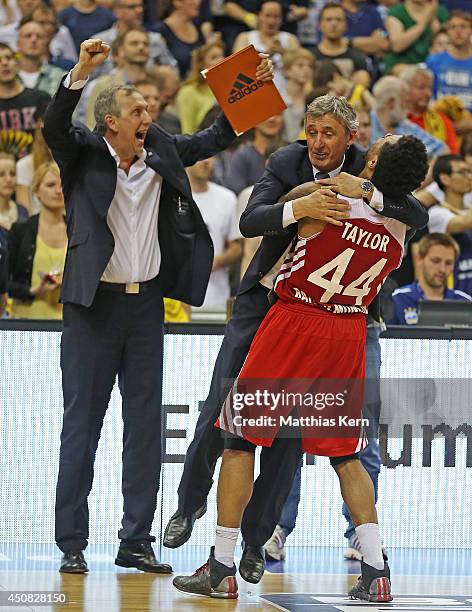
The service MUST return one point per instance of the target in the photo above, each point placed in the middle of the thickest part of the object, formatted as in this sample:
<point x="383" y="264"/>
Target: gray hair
<point x="386" y="88"/>
<point x="337" y="106"/>
<point x="107" y="104"/>
<point x="409" y="72"/>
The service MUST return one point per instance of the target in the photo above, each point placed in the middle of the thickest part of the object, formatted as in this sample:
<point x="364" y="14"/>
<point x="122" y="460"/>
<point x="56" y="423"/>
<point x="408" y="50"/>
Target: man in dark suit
<point x="330" y="130"/>
<point x="135" y="235"/>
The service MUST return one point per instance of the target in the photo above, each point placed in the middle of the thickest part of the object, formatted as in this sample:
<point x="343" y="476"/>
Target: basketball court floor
<point x="312" y="579"/>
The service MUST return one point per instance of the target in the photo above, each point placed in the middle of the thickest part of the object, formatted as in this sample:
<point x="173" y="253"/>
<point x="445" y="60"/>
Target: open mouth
<point x="140" y="136"/>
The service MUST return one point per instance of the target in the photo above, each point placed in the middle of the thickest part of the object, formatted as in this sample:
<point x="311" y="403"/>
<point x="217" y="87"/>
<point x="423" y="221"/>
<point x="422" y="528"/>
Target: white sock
<point x="225" y="543"/>
<point x="371" y="546"/>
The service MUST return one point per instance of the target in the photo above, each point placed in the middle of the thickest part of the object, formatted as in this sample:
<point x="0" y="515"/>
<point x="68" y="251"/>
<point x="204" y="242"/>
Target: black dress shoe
<point x="141" y="556"/>
<point x="179" y="528"/>
<point x="73" y="562"/>
<point x="252" y="564"/>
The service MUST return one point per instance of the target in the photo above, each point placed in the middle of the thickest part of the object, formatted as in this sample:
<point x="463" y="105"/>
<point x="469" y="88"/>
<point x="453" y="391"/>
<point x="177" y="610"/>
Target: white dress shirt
<point x="132" y="219"/>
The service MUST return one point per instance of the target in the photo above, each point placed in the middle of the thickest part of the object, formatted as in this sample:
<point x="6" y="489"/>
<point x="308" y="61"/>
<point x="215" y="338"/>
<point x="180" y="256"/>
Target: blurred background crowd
<point x="406" y="67"/>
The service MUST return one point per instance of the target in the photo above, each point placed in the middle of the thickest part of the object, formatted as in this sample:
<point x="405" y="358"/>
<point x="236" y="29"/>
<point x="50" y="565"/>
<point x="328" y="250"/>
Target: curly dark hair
<point x="401" y="166"/>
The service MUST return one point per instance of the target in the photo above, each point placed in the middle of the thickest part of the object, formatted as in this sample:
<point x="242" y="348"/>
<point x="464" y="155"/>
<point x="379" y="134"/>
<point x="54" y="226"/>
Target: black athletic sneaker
<point x="373" y="584"/>
<point x="213" y="579"/>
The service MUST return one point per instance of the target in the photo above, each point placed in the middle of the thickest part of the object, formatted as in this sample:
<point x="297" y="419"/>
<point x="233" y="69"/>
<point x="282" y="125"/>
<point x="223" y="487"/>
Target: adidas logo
<point x="243" y="86"/>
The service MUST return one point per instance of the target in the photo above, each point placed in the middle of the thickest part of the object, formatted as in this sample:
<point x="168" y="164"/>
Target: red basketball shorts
<point x="303" y="376"/>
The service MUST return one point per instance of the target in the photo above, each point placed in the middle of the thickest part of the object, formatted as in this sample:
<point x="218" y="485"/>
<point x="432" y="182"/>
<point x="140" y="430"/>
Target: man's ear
<point x="110" y="123"/>
<point x="352" y="138"/>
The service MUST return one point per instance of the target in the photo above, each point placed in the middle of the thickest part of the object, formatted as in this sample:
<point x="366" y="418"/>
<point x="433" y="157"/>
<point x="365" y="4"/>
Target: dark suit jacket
<point x="287" y="168"/>
<point x="21" y="251"/>
<point x="89" y="175"/>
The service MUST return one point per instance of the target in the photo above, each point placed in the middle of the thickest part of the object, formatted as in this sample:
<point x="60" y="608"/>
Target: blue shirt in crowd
<point x="405" y="300"/>
<point x="452" y="77"/>
<point x="365" y="21"/>
<point x="85" y="25"/>
<point x="405" y="128"/>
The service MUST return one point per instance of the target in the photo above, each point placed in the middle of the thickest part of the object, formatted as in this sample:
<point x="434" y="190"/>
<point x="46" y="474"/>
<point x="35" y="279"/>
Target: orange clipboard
<point x="244" y="100"/>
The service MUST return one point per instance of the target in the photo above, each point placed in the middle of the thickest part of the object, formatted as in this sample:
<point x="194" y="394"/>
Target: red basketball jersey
<point x="342" y="268"/>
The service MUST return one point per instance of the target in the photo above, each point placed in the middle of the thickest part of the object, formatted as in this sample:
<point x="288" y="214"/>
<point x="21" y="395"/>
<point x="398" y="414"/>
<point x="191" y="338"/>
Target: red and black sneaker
<point x="214" y="579"/>
<point x="373" y="585"/>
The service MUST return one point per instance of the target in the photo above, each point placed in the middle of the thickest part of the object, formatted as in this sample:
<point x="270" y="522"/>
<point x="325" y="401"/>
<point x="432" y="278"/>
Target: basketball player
<point x="316" y="330"/>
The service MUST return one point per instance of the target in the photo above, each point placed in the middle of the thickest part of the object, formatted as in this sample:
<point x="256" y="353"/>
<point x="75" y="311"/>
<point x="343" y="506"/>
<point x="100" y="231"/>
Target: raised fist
<point x="93" y="52"/>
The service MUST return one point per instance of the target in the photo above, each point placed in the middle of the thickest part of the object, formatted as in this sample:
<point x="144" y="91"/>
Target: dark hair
<point x="430" y="240"/>
<point x="330" y="5"/>
<point x="5" y="46"/>
<point x="460" y="15"/>
<point x="443" y="166"/>
<point x="40" y="110"/>
<point x="121" y="37"/>
<point x="316" y="92"/>
<point x="401" y="166"/>
<point x="466" y="145"/>
<point x="262" y="2"/>
<point x="26" y="19"/>
<point x="324" y="73"/>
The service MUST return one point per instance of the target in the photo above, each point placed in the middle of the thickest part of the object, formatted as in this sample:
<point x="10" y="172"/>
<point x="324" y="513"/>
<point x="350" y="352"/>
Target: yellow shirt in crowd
<point x="46" y="260"/>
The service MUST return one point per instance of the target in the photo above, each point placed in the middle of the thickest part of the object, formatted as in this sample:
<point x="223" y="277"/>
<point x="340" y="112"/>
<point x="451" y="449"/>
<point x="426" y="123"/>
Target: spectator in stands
<point x="328" y="75"/>
<point x="299" y="66"/>
<point x="390" y="115"/>
<point x="241" y="16"/>
<point x="268" y="38"/>
<point x="9" y="12"/>
<point x="34" y="71"/>
<point x="441" y="42"/>
<point x="168" y="82"/>
<point x="17" y="102"/>
<point x="218" y="208"/>
<point x="10" y="211"/>
<point x="61" y="48"/>
<point x="364" y="132"/>
<point x="37" y="251"/>
<point x="84" y="18"/>
<point x="454" y="176"/>
<point x="3" y="279"/>
<point x="248" y="162"/>
<point x="466" y="149"/>
<point x="27" y="165"/>
<point x="9" y="32"/>
<point x="129" y="14"/>
<point x="133" y="45"/>
<point x="365" y="28"/>
<point x="411" y="25"/>
<point x="419" y="81"/>
<point x="452" y="69"/>
<point x="435" y="260"/>
<point x="180" y="33"/>
<point x="195" y="97"/>
<point x="335" y="46"/>
<point x="150" y="92"/>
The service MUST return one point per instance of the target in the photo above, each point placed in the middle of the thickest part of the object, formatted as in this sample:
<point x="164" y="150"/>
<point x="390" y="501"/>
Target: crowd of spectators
<point x="405" y="66"/>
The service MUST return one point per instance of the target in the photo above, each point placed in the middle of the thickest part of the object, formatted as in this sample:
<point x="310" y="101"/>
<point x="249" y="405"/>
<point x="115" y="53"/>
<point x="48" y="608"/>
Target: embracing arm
<point x="271" y="209"/>
<point x="406" y="209"/>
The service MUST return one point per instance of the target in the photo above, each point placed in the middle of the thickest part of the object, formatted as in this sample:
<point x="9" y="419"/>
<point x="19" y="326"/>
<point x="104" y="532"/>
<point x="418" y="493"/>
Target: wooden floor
<point x="135" y="592"/>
